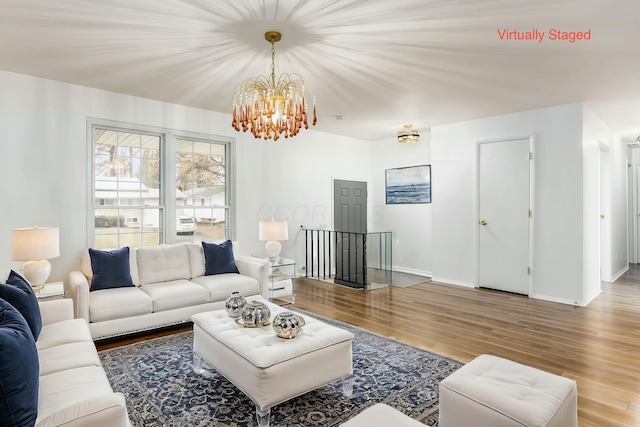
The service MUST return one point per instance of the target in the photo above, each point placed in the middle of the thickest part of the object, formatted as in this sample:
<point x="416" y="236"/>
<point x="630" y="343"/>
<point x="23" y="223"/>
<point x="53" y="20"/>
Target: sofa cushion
<point x="63" y="389"/>
<point x="18" y="292"/>
<point x="18" y="369"/>
<point x="64" y="332"/>
<point x="108" y="409"/>
<point x="68" y="356"/>
<point x="196" y="259"/>
<point x="111" y="269"/>
<point x="163" y="263"/>
<point x="221" y="285"/>
<point x="219" y="259"/>
<point x="176" y="294"/>
<point x="110" y="304"/>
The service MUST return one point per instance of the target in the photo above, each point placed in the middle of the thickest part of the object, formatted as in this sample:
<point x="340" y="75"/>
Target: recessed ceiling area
<point x="377" y="64"/>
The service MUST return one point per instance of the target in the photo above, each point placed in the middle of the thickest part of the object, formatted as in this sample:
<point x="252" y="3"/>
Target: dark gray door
<point x="350" y="224"/>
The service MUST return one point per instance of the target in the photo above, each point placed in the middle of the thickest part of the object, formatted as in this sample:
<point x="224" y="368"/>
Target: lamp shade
<point x="36" y="243"/>
<point x="273" y="230"/>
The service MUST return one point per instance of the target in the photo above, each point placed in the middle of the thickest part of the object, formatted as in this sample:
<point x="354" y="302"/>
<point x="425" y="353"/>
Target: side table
<point x="281" y="280"/>
<point x="53" y="290"/>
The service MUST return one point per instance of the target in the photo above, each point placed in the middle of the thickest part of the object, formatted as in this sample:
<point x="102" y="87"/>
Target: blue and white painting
<point x="409" y="185"/>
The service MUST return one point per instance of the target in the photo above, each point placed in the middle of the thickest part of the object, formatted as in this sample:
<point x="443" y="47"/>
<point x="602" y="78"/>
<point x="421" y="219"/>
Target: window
<point x="136" y="203"/>
<point x="201" y="190"/>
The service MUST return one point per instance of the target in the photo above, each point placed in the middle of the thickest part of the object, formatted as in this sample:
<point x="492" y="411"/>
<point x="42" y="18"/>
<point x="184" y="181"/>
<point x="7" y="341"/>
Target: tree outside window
<point x="131" y="191"/>
<point x="201" y="196"/>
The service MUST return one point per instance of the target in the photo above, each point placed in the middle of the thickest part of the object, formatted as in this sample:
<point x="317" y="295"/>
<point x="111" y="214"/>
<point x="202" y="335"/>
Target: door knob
<point x="483" y="222"/>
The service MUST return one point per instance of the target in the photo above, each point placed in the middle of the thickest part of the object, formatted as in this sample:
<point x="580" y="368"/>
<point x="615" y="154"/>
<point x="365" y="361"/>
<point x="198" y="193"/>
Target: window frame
<point x="229" y="217"/>
<point x="168" y="157"/>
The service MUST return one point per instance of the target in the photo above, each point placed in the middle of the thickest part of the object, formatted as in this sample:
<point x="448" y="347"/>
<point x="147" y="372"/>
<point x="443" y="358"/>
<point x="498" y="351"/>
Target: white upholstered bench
<point x="381" y="415"/>
<point x="494" y="392"/>
<point x="268" y="369"/>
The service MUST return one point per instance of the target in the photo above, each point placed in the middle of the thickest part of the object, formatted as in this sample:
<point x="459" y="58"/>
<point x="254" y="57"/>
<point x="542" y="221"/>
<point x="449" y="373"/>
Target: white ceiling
<point x="378" y="63"/>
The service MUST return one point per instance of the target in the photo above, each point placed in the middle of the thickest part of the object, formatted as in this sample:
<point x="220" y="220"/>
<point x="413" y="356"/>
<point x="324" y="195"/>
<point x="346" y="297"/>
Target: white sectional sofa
<point x="50" y="372"/>
<point x="74" y="389"/>
<point x="170" y="287"/>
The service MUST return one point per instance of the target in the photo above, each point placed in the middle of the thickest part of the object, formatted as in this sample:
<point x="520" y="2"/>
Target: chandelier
<point x="270" y="107"/>
<point x="408" y="135"/>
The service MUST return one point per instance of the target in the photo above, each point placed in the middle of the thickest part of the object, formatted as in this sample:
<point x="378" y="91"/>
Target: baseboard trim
<point x="620" y="273"/>
<point x="554" y="299"/>
<point x="412" y="271"/>
<point x="453" y="282"/>
<point x="588" y="300"/>
<point x="583" y="303"/>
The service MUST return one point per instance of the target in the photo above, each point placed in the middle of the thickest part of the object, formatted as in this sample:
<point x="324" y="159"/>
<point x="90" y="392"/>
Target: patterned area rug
<point x="161" y="388"/>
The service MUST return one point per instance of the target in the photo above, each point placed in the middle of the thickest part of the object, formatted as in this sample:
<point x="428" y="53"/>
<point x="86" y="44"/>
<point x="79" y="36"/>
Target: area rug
<point x="161" y="388"/>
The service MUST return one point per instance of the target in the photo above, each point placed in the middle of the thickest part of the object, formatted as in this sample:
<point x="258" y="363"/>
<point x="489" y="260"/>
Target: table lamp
<point x="272" y="232"/>
<point x="35" y="246"/>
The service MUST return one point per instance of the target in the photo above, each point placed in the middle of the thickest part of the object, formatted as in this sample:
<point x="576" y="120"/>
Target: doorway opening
<point x="350" y="225"/>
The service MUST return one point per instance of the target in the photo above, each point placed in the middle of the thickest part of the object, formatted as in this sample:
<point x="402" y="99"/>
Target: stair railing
<point x="357" y="260"/>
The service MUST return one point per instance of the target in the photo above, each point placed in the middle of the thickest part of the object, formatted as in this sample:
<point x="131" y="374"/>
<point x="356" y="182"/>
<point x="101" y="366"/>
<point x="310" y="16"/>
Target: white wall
<point x="44" y="155"/>
<point x="43" y="181"/>
<point x="43" y="161"/>
<point x="410" y="224"/>
<point x="558" y="198"/>
<point x="297" y="183"/>
<point x="601" y="162"/>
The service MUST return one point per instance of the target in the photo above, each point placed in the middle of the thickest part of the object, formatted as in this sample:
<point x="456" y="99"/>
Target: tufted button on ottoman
<point x="268" y="369"/>
<point x="494" y="392"/>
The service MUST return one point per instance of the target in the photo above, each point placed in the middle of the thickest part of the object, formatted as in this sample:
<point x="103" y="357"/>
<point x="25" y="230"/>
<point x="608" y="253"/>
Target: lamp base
<point x="37" y="272"/>
<point x="273" y="248"/>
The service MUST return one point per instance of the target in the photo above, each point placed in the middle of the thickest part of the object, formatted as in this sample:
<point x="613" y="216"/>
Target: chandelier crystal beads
<point x="270" y="108"/>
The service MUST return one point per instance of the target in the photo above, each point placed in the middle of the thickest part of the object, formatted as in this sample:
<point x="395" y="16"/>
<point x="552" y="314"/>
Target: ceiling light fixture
<point x="408" y="135"/>
<point x="268" y="107"/>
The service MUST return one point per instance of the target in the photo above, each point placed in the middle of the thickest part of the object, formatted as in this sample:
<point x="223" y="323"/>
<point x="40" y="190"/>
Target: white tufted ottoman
<point x="268" y="369"/>
<point x="494" y="392"/>
<point x="381" y="415"/>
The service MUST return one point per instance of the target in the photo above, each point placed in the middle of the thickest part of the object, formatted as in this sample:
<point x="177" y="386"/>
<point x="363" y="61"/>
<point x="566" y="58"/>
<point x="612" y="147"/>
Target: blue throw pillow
<point x="218" y="259"/>
<point x="110" y="269"/>
<point x="19" y="370"/>
<point x="19" y="294"/>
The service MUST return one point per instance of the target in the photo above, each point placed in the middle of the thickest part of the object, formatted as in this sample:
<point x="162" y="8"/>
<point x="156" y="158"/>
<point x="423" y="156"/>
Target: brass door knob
<point x="483" y="222"/>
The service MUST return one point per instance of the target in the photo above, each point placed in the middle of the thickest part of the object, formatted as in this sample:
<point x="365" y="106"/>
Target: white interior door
<point x="503" y="260"/>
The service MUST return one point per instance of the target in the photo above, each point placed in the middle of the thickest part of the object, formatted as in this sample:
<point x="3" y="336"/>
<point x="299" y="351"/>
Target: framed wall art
<point x="409" y="185"/>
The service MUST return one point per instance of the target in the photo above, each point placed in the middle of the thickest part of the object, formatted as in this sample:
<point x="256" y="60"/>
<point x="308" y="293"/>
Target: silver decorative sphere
<point x="287" y="324"/>
<point x="255" y="314"/>
<point x="234" y="304"/>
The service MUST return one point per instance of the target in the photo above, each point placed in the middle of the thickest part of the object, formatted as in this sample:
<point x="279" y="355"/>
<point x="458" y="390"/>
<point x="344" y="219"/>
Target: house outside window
<point x="145" y="182"/>
<point x="201" y="184"/>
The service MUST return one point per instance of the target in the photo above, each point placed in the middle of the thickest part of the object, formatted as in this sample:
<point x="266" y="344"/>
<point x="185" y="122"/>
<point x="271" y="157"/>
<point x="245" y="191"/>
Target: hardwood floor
<point x="598" y="346"/>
